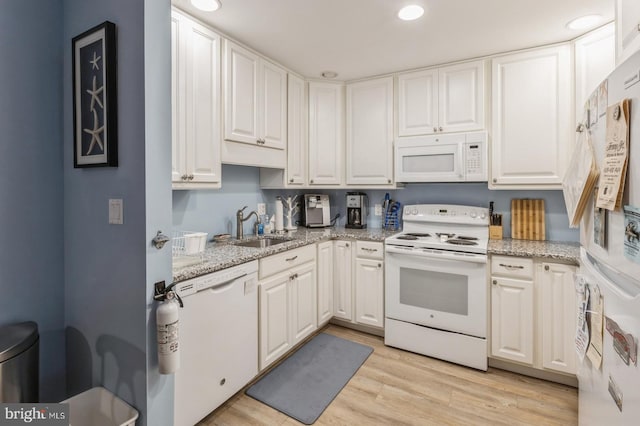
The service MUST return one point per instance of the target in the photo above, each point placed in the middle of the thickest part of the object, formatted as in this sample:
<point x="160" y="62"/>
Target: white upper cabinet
<point x="447" y="99"/>
<point x="595" y="59"/>
<point x="370" y="132"/>
<point x="255" y="99"/>
<point x="297" y="137"/>
<point x="241" y="94"/>
<point x="195" y="89"/>
<point x="531" y="110"/>
<point x="326" y="133"/>
<point x="627" y="28"/>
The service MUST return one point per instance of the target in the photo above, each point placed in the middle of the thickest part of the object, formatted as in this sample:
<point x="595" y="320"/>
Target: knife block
<point x="495" y="232"/>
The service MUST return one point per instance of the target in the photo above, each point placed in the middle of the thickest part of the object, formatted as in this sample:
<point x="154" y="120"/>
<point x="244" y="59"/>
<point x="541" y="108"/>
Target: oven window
<point x="436" y="291"/>
<point x="437" y="163"/>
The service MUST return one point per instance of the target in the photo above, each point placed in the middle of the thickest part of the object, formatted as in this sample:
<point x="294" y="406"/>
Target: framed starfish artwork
<point x="95" y="118"/>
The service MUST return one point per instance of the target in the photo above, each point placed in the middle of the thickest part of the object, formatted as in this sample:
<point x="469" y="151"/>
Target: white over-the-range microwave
<point x="456" y="157"/>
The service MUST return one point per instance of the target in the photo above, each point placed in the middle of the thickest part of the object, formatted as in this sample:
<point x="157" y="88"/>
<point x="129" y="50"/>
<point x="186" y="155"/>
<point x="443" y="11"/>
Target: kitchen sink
<point x="262" y="242"/>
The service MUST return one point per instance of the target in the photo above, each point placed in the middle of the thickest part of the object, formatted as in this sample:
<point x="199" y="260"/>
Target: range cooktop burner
<point x="462" y="237"/>
<point x="444" y="234"/>
<point x="406" y="237"/>
<point x="462" y="242"/>
<point x="417" y="234"/>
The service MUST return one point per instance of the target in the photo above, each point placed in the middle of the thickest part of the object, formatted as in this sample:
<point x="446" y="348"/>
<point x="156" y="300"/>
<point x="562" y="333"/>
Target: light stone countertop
<point x="565" y="251"/>
<point x="218" y="256"/>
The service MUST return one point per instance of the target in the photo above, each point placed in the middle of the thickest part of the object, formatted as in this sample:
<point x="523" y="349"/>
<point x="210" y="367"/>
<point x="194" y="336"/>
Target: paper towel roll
<point x="279" y="215"/>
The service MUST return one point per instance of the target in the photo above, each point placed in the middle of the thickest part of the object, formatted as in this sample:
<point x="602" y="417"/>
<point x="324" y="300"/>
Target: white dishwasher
<point x="218" y="340"/>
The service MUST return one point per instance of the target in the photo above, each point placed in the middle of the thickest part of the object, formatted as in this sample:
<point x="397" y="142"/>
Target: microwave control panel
<point x="475" y="161"/>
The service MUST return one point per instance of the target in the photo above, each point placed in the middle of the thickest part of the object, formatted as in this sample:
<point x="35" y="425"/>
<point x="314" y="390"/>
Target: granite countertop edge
<point x="557" y="250"/>
<point x="219" y="256"/>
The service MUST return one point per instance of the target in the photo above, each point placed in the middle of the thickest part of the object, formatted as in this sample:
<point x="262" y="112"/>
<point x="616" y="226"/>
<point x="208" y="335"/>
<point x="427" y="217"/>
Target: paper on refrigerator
<point x="614" y="167"/>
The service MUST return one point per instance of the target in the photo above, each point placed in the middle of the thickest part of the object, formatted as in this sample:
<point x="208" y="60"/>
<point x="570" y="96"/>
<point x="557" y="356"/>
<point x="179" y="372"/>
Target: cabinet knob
<point x="435" y="129"/>
<point x="346" y="245"/>
<point x="190" y="177"/>
<point x="440" y="128"/>
<point x="290" y="180"/>
<point x="494" y="282"/>
<point x="311" y="181"/>
<point x="388" y="180"/>
<point x="183" y="177"/>
<point x="379" y="265"/>
<point x="546" y="267"/>
<point x="494" y="180"/>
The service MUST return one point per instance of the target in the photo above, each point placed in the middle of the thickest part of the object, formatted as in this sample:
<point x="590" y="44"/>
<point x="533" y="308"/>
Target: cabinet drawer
<point x="369" y="249"/>
<point x="286" y="260"/>
<point x="511" y="266"/>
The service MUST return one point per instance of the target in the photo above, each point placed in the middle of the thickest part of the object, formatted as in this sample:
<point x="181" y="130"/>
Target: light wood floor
<point x="394" y="387"/>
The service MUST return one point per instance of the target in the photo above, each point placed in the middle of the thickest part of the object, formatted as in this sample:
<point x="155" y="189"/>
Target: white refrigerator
<point x="609" y="393"/>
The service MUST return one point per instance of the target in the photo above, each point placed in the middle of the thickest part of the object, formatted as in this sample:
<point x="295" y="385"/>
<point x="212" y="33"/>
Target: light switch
<point x="115" y="211"/>
<point x="378" y="210"/>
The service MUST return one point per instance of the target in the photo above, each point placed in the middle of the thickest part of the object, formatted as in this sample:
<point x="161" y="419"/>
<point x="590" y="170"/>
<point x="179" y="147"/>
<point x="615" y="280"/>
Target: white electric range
<point x="436" y="283"/>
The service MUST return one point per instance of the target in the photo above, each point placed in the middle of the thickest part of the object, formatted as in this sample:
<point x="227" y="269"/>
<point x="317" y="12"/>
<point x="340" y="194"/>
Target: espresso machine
<point x="357" y="203"/>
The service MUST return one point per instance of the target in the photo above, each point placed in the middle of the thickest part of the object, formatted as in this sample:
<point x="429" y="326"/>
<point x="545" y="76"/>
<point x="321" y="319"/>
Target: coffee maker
<point x="357" y="203"/>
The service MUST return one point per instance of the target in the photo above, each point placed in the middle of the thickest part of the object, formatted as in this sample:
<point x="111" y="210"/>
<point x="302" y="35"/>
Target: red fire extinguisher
<point x="167" y="320"/>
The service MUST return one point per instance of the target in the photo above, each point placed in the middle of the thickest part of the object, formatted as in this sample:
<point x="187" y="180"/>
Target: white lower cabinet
<point x="369" y="279"/>
<point x="533" y="313"/>
<point x="359" y="282"/>
<point x="342" y="281"/>
<point x="325" y="282"/>
<point x="512" y="319"/>
<point x="558" y="316"/>
<point x="288" y="302"/>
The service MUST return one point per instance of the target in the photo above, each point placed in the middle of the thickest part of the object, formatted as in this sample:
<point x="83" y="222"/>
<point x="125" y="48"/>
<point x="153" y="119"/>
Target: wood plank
<point x="402" y="388"/>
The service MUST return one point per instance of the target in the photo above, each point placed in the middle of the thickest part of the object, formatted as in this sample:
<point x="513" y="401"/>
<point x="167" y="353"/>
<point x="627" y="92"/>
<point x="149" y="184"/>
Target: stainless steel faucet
<point x="240" y="219"/>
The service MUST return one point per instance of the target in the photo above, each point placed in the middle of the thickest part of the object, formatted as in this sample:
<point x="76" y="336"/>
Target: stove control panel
<point x="446" y="213"/>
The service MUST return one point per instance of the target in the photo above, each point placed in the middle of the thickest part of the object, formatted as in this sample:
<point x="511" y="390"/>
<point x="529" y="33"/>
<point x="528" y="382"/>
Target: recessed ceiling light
<point x="207" y="5"/>
<point x="584" y="22"/>
<point x="411" y="12"/>
<point x="329" y="74"/>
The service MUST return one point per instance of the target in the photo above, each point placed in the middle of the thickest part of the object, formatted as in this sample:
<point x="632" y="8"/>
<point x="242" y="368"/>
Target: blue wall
<point x="214" y="211"/>
<point x="31" y="251"/>
<point x="105" y="265"/>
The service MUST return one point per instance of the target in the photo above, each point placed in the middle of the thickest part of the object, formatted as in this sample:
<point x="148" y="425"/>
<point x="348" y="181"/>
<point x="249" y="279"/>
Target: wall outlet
<point x="262" y="209"/>
<point x="378" y="210"/>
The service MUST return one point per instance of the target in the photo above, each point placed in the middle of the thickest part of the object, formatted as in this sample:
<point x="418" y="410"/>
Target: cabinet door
<point x="627" y="29"/>
<point x="558" y="312"/>
<point x="203" y="105"/>
<point x="325" y="282"/>
<point x="512" y="319"/>
<point x="370" y="132"/>
<point x="532" y="132"/>
<point x="369" y="281"/>
<point x="304" y="320"/>
<point x="241" y="94"/>
<point x="274" y="318"/>
<point x="461" y="97"/>
<point x="342" y="286"/>
<point x="178" y="95"/>
<point x="418" y="103"/>
<point x="326" y="133"/>
<point x="297" y="135"/>
<point x="273" y="105"/>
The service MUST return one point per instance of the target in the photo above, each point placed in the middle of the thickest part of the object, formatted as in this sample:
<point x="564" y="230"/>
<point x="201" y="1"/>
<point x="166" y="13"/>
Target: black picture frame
<point x="95" y="114"/>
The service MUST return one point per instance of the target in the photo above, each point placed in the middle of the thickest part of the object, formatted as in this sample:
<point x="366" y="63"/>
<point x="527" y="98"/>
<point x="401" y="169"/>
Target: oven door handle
<point x="437" y="254"/>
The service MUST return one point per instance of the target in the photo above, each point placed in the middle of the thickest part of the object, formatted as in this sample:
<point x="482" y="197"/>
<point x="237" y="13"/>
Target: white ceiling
<point x="360" y="38"/>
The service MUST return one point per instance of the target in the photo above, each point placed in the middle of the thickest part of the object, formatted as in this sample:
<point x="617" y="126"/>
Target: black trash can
<point x="19" y="353"/>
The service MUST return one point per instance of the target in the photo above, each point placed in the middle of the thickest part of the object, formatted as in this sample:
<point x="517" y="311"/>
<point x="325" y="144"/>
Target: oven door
<point x="438" y="289"/>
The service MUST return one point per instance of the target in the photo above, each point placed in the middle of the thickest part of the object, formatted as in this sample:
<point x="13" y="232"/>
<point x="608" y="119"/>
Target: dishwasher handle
<point x="225" y="284"/>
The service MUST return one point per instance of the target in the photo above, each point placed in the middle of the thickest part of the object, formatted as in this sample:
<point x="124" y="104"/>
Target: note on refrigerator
<point x="596" y="320"/>
<point x="632" y="233"/>
<point x="582" y="327"/>
<point x="614" y="167"/>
